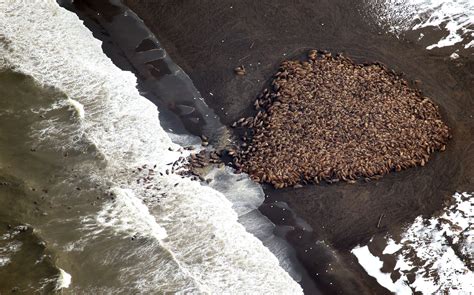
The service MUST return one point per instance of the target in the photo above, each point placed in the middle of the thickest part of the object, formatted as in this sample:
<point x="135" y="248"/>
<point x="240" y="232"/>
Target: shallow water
<point x="211" y="39"/>
<point x="91" y="154"/>
<point x="25" y="171"/>
<point x="79" y="143"/>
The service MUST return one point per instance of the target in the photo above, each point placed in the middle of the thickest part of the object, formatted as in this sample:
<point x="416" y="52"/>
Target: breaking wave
<point x="201" y="245"/>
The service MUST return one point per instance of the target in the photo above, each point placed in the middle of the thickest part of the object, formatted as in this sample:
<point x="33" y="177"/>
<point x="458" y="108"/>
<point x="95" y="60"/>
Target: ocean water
<point x="86" y="151"/>
<point x="80" y="159"/>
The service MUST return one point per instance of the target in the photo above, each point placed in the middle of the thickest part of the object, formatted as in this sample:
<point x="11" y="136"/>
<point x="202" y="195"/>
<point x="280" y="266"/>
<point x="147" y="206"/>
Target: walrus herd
<point x="328" y="119"/>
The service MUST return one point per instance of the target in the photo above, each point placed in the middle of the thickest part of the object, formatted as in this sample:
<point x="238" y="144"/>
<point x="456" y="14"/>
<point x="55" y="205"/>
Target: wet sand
<point x="210" y="39"/>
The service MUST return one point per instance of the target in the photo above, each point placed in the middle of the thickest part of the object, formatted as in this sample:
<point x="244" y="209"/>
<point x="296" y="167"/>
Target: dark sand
<point x="210" y="39"/>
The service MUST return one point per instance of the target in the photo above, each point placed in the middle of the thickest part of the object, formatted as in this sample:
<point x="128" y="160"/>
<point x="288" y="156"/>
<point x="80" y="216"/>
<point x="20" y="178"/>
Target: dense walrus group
<point x="329" y="119"/>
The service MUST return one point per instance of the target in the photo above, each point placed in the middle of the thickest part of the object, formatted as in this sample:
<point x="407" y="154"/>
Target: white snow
<point x="435" y="251"/>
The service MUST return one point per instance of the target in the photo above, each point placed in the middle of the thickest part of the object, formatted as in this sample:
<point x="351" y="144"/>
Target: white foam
<point x="10" y="248"/>
<point x="427" y="251"/>
<point x="78" y="107"/>
<point x="234" y="186"/>
<point x="64" y="280"/>
<point x="130" y="214"/>
<point x="207" y="246"/>
<point x="4" y="261"/>
<point x="455" y="17"/>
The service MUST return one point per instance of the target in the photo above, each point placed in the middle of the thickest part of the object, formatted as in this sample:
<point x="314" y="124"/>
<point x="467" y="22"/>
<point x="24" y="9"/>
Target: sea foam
<point x="194" y="224"/>
<point x="64" y="280"/>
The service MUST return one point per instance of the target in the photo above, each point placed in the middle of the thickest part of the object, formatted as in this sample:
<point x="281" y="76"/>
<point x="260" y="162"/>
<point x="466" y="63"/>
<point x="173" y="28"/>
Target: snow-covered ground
<point x="433" y="256"/>
<point x="454" y="17"/>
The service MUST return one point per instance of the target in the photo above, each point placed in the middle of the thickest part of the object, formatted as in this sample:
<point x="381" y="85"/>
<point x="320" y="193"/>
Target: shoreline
<point x="122" y="52"/>
<point x="261" y="35"/>
<point x="342" y="215"/>
<point x="107" y="183"/>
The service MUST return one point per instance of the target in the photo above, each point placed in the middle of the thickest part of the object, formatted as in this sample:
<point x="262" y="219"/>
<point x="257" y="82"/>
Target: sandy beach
<point x="209" y="40"/>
